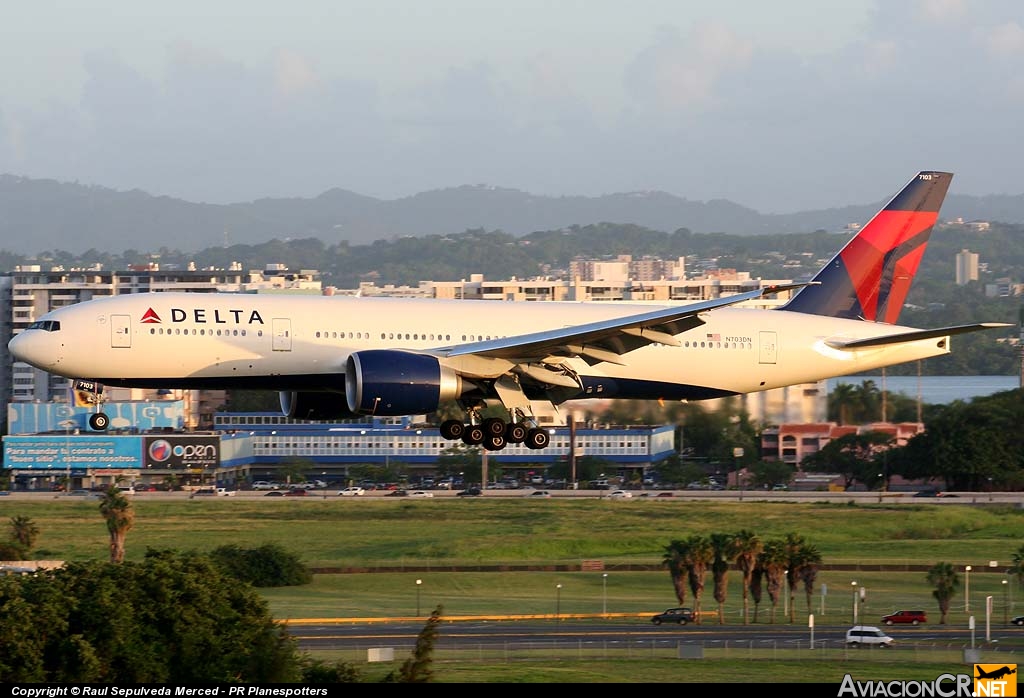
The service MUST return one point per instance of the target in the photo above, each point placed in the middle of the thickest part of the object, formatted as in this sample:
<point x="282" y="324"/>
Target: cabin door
<point x="282" y="328"/>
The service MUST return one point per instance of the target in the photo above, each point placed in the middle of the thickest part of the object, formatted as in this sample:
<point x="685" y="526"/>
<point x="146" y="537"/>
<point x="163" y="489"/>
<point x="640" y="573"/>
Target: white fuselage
<point x="302" y="342"/>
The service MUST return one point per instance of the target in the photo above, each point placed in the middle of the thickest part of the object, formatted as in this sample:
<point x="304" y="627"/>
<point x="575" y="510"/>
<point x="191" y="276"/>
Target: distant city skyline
<point x="779" y="107"/>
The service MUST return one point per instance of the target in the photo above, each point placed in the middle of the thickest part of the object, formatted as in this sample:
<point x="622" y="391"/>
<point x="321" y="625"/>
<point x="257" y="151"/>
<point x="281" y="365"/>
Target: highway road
<point x="618" y="634"/>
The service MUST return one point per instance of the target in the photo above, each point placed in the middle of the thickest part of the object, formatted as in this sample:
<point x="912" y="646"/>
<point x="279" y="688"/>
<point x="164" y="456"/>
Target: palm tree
<point x="1018" y="566"/>
<point x="24" y="531"/>
<point x="841" y="401"/>
<point x="723" y="546"/>
<point x="756" y="588"/>
<point x="699" y="555"/>
<point x="944" y="578"/>
<point x="675" y="553"/>
<point x="747" y="547"/>
<point x="802" y="562"/>
<point x="117" y="510"/>
<point x="808" y="563"/>
<point x="773" y="561"/>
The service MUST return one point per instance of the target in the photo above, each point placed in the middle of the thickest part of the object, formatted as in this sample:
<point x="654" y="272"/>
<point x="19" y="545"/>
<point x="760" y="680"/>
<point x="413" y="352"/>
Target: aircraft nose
<point x="35" y="348"/>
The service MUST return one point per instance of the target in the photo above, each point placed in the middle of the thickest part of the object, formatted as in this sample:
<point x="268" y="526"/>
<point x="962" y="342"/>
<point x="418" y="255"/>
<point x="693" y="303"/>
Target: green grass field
<point x="438" y="540"/>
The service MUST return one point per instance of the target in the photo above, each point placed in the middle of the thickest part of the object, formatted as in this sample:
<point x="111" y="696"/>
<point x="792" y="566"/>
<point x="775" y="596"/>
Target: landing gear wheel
<point x="473" y="436"/>
<point x="452" y="429"/>
<point x="537" y="439"/>
<point x="494" y="426"/>
<point x="99" y="421"/>
<point x="494" y="442"/>
<point x="515" y="433"/>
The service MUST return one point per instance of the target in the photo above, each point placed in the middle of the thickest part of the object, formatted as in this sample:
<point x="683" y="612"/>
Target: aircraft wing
<point x="902" y="337"/>
<point x="606" y="340"/>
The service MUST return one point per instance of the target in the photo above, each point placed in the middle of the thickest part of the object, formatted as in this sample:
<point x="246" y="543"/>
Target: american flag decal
<point x="714" y="337"/>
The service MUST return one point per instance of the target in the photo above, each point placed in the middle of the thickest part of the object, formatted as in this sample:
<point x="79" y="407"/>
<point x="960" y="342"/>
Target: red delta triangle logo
<point x="150" y="316"/>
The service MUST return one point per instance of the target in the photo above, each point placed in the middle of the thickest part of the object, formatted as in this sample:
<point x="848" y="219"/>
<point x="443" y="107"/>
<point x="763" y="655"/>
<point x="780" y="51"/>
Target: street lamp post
<point x="558" y="602"/>
<point x="604" y="594"/>
<point x="785" y="593"/>
<point x="737" y="454"/>
<point x="853" y="586"/>
<point x="1006" y="602"/>
<point x="419" y="583"/>
<point x="67" y="424"/>
<point x="967" y="589"/>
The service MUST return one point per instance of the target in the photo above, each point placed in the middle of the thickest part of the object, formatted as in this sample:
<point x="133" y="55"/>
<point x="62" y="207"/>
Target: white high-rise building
<point x="966" y="267"/>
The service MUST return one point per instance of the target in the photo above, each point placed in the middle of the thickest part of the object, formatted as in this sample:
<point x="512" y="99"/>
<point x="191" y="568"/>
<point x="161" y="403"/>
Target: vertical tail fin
<point x="870" y="277"/>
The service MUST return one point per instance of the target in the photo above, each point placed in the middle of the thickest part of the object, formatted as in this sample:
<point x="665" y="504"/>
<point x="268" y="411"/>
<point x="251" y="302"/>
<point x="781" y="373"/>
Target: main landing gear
<point x="494" y="434"/>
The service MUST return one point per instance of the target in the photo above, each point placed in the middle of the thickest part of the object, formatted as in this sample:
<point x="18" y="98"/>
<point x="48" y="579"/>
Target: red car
<point x="910" y="617"/>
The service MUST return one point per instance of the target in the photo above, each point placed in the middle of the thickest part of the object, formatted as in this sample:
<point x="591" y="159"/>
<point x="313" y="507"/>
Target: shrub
<point x="267" y="566"/>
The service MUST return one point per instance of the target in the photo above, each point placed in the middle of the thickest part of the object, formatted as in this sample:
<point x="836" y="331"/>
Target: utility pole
<point x="1021" y="325"/>
<point x="572" y="449"/>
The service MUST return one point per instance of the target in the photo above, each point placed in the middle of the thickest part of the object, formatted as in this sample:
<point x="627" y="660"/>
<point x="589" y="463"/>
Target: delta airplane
<point x="334" y="357"/>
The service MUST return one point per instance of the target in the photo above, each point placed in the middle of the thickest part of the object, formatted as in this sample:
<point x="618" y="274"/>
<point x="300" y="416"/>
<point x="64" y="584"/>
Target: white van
<point x="867" y="635"/>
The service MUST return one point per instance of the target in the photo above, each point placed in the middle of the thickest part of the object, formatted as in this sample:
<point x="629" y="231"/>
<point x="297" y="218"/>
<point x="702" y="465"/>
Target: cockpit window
<point x="45" y="325"/>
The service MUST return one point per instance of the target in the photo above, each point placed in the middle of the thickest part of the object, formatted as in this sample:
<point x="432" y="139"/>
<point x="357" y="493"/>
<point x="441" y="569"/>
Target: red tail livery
<point x="870" y="277"/>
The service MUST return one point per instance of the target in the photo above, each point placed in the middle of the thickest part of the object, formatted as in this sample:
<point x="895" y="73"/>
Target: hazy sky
<point x="781" y="106"/>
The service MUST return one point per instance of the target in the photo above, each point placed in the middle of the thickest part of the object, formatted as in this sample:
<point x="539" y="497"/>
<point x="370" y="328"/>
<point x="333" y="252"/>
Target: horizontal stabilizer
<point x="913" y="336"/>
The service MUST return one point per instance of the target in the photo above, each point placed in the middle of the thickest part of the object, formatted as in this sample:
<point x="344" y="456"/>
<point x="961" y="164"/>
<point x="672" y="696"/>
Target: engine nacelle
<point x="389" y="383"/>
<point x="315" y="405"/>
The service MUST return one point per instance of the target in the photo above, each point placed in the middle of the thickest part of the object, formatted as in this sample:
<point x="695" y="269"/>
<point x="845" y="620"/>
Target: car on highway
<point x="620" y="494"/>
<point x="264" y="485"/>
<point x="274" y="493"/>
<point x="908" y="617"/>
<point x="680" y="615"/>
<point x="1019" y="620"/>
<point x="296" y="492"/>
<point x="539" y="494"/>
<point x="214" y="492"/>
<point x="471" y="492"/>
<point x="420" y="494"/>
<point x="867" y="635"/>
<point x="352" y="492"/>
<point x="397" y="493"/>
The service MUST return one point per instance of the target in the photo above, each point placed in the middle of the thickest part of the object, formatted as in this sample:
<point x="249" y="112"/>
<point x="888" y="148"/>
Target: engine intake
<point x="390" y="383"/>
<point x="314" y="405"/>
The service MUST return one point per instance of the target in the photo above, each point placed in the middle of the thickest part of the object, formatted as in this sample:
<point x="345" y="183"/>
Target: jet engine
<point x="390" y="382"/>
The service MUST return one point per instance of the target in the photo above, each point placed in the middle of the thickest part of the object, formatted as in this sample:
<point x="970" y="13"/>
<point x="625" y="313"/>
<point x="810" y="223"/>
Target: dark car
<point x="1019" y="620"/>
<point x="296" y="492"/>
<point x="471" y="492"/>
<point x="274" y="493"/>
<point x="397" y="493"/>
<point x="682" y="616"/>
<point x="910" y="617"/>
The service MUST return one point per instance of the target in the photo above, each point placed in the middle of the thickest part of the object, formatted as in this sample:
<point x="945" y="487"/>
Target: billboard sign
<point x="184" y="452"/>
<point x="77" y="453"/>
